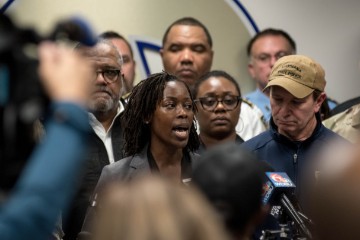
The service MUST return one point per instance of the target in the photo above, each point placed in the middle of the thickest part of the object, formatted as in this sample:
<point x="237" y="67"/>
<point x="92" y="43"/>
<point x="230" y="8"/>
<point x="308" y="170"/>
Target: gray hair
<point x="108" y="42"/>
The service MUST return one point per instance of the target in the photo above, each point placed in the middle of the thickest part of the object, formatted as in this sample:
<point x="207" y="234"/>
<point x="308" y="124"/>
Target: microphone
<point x="276" y="189"/>
<point x="275" y="184"/>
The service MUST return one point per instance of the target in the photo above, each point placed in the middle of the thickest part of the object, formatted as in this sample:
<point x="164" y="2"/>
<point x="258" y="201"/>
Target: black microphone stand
<point x="293" y="224"/>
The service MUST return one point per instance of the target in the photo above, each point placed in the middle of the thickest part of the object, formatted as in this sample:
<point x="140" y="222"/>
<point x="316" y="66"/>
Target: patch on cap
<point x="299" y="75"/>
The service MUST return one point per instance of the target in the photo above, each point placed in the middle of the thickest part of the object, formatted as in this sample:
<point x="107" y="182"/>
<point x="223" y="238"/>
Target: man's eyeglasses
<point x="110" y="75"/>
<point x="266" y="58"/>
<point x="210" y="103"/>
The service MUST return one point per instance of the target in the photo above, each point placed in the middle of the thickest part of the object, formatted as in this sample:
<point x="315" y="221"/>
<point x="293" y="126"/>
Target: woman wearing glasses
<point x="218" y="100"/>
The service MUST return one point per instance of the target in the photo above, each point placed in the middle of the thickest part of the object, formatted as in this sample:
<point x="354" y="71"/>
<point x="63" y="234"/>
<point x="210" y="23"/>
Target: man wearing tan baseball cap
<point x="296" y="85"/>
<point x="299" y="75"/>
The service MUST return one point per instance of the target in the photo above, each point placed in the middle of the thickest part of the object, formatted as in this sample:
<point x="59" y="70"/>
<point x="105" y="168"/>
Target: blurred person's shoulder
<point x="346" y="123"/>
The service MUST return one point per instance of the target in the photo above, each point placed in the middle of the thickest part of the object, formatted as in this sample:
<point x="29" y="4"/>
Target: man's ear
<point x="319" y="101"/>
<point x="251" y="70"/>
<point x="161" y="52"/>
<point x="212" y="55"/>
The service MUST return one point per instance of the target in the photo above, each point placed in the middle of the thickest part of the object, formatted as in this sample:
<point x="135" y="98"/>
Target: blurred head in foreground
<point x="232" y="179"/>
<point x="335" y="205"/>
<point x="153" y="208"/>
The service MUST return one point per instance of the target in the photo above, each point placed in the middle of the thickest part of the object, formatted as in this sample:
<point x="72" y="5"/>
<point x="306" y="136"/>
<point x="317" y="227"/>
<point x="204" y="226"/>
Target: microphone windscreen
<point x="276" y="184"/>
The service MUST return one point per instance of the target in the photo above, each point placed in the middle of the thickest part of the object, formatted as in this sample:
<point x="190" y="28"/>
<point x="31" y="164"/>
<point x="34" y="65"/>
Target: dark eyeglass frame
<point x="226" y="107"/>
<point x="103" y="74"/>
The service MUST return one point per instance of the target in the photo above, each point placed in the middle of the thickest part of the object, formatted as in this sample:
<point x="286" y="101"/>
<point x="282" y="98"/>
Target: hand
<point x="65" y="75"/>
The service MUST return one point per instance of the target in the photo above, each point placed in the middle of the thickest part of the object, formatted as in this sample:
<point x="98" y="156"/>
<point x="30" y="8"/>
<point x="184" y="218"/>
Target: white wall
<point x="326" y="30"/>
<point x="149" y="20"/>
